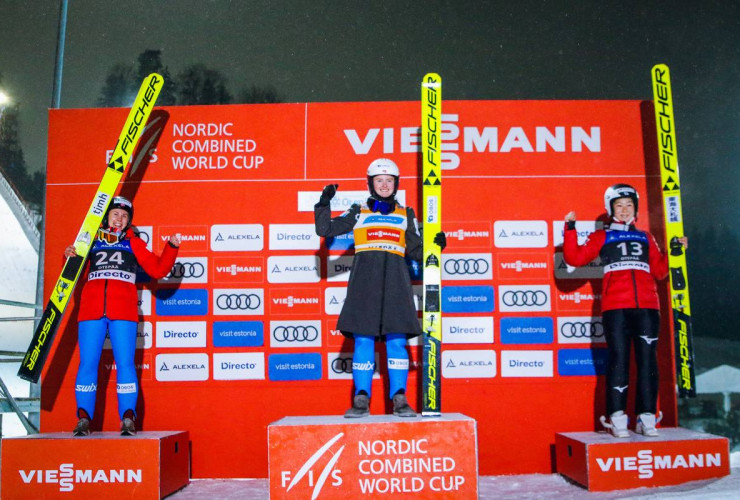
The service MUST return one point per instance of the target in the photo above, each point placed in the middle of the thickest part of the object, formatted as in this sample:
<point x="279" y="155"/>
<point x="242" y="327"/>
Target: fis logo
<point x="288" y="479"/>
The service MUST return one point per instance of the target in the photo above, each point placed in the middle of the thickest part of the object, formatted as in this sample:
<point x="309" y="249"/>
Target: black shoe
<point x="360" y="407"/>
<point x="83" y="427"/>
<point x="128" y="428"/>
<point x="401" y="407"/>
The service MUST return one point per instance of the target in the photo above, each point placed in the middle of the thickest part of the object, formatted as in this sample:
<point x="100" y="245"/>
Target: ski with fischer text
<point x="668" y="158"/>
<point x="35" y="357"/>
<point x="431" y="124"/>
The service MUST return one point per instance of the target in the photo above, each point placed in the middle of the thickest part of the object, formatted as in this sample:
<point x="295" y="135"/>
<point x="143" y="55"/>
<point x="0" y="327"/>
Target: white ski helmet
<point x="382" y="166"/>
<point x="617" y="191"/>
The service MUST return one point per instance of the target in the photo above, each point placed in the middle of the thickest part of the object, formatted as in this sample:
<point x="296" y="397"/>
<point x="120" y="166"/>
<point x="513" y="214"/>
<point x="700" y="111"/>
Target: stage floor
<point x="528" y="486"/>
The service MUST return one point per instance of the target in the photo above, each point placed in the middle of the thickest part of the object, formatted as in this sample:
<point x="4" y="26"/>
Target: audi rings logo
<point x="521" y="298"/>
<point x="582" y="329"/>
<point x="297" y="333"/>
<point x="187" y="270"/>
<point x="238" y="301"/>
<point x="144" y="235"/>
<point x="466" y="266"/>
<point x="341" y="365"/>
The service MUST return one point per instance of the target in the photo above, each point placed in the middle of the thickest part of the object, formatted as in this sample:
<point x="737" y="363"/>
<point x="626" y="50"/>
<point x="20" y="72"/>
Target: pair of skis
<point x="35" y="357"/>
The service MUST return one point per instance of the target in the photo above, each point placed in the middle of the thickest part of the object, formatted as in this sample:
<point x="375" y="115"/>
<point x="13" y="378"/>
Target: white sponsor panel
<point x="339" y="365"/>
<point x="239" y="301"/>
<point x="145" y="302"/>
<point x="469" y="364"/>
<point x="182" y="367"/>
<point x="294" y="237"/>
<point x="188" y="270"/>
<point x="145" y="233"/>
<point x="299" y="333"/>
<point x="239" y="366"/>
<point x="467" y="330"/>
<point x="144" y="332"/>
<point x="338" y="267"/>
<point x="237" y="237"/>
<point x="341" y="201"/>
<point x="467" y="266"/>
<point x="523" y="298"/>
<point x="294" y="269"/>
<point x="526" y="363"/>
<point x="520" y="234"/>
<point x="580" y="330"/>
<point x="334" y="300"/>
<point x="181" y="334"/>
<point x="583" y="228"/>
<point x="593" y="269"/>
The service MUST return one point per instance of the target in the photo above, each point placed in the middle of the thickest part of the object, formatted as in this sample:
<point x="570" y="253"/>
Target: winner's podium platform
<point x="101" y="465"/>
<point x="601" y="462"/>
<point x="373" y="457"/>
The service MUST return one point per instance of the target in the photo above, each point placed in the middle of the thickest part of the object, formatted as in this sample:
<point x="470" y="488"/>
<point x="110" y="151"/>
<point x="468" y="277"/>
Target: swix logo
<point x="67" y="476"/>
<point x="329" y="470"/>
<point x="383" y="234"/>
<point x="578" y="297"/>
<point x="646" y="463"/>
<point x="86" y="388"/>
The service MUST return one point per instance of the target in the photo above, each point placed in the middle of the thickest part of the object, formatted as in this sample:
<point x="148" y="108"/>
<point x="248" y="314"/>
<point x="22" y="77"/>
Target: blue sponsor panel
<point x="415" y="270"/>
<point x="526" y="330"/>
<point x="582" y="361"/>
<point x="341" y="242"/>
<point x="306" y="366"/>
<point x="467" y="299"/>
<point x="181" y="302"/>
<point x="238" y="334"/>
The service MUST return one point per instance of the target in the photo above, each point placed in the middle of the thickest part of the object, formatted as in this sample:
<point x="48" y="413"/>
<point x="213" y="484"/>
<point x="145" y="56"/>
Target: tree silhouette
<point x="198" y="84"/>
<point x="258" y="95"/>
<point x="119" y="89"/>
<point x="150" y="61"/>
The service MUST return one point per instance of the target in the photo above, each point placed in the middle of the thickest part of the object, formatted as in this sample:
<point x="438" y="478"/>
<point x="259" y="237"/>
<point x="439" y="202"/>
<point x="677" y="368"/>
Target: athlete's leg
<point x="617" y="370"/>
<point x="645" y="337"/>
<point x="363" y="363"/>
<point x="398" y="362"/>
<point x="91" y="335"/>
<point x="123" y="339"/>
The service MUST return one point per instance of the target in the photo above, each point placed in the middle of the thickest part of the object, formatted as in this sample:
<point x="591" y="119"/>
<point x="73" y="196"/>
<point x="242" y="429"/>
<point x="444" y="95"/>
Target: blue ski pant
<point x="363" y="362"/>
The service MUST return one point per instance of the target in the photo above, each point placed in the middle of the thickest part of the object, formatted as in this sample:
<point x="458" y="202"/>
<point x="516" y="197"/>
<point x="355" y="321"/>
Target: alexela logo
<point x="237" y="237"/>
<point x="334" y="300"/>
<point x="67" y="476"/>
<point x="294" y="269"/>
<point x="294" y="237"/>
<point x="182" y="367"/>
<point x="469" y="364"/>
<point x="645" y="462"/>
<point x="520" y="234"/>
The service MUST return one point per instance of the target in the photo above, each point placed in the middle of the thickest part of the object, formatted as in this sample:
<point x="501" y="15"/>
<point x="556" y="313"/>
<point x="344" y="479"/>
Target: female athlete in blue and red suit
<point x="109" y="304"/>
<point x="629" y="302"/>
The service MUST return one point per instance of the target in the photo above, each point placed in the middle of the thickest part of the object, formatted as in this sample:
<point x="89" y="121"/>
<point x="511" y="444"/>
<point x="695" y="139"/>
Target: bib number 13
<point x="632" y="248"/>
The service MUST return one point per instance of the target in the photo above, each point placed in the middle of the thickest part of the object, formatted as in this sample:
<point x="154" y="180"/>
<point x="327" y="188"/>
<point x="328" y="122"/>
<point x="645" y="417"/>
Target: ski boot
<point x="617" y="424"/>
<point x="646" y="424"/>
<point x="360" y="406"/>
<point x="82" y="428"/>
<point x="401" y="407"/>
<point x="128" y="427"/>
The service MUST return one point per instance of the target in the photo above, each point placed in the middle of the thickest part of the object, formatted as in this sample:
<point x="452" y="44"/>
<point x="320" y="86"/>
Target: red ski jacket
<point x="117" y="299"/>
<point x="632" y="262"/>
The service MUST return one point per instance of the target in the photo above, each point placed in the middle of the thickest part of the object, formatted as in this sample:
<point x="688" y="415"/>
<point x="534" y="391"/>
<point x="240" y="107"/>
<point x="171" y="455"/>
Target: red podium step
<point x="373" y="457"/>
<point x="601" y="462"/>
<point x="102" y="465"/>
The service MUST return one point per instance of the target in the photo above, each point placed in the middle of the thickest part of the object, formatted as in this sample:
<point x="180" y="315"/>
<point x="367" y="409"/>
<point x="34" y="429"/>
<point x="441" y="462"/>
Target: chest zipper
<point x="634" y="285"/>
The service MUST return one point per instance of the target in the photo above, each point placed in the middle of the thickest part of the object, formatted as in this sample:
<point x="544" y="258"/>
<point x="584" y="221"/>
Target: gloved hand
<point x="441" y="240"/>
<point x="327" y="194"/>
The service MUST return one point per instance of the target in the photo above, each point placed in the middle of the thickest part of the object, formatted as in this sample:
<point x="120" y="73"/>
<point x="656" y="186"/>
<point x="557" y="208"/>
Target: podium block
<point x="373" y="457"/>
<point x="102" y="465"/>
<point x="601" y="462"/>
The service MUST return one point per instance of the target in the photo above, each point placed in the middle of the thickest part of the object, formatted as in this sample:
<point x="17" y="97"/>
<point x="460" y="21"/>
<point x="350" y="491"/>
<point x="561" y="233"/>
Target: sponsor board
<point x="304" y="366"/>
<point x="182" y="367"/>
<point x="188" y="270"/>
<point x="582" y="361"/>
<point x="462" y="299"/>
<point x="238" y="334"/>
<point x="294" y="237"/>
<point x="520" y="234"/>
<point x="526" y="364"/>
<point x="144" y="333"/>
<point x="334" y="300"/>
<point x="181" y="334"/>
<point x="342" y="201"/>
<point x="299" y="333"/>
<point x="339" y="365"/>
<point x="478" y="363"/>
<point x="464" y="235"/>
<point x="334" y="337"/>
<point x="586" y="299"/>
<point x="294" y="269"/>
<point x="144" y="302"/>
<point x="580" y="330"/>
<point x="146" y="234"/>
<point x="467" y="266"/>
<point x="563" y="271"/>
<point x="295" y="301"/>
<point x="182" y="302"/>
<point x="338" y="267"/>
<point x="530" y="330"/>
<point x="238" y="269"/>
<point x="522" y="265"/>
<point x="584" y="229"/>
<point x="341" y="242"/>
<point x="524" y="298"/>
<point x="237" y="237"/>
<point x="467" y="330"/>
<point x="193" y="238"/>
<point x="143" y="367"/>
<point x="239" y="366"/>
<point x="239" y="301"/>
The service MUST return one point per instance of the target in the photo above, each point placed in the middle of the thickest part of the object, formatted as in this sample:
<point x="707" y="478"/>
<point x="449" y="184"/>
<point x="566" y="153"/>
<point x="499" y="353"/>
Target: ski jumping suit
<point x="109" y="304"/>
<point x="380" y="300"/>
<point x="630" y="308"/>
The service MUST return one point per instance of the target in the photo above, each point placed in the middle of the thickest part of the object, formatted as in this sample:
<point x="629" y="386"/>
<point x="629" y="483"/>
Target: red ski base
<point x="601" y="462"/>
<point x="102" y="465"/>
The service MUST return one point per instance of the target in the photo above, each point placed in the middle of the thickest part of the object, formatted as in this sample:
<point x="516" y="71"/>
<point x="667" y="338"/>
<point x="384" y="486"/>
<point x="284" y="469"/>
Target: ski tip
<point x="432" y="80"/>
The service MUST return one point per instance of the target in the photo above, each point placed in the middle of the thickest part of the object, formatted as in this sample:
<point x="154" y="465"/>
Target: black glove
<point x="327" y="194"/>
<point x="441" y="240"/>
